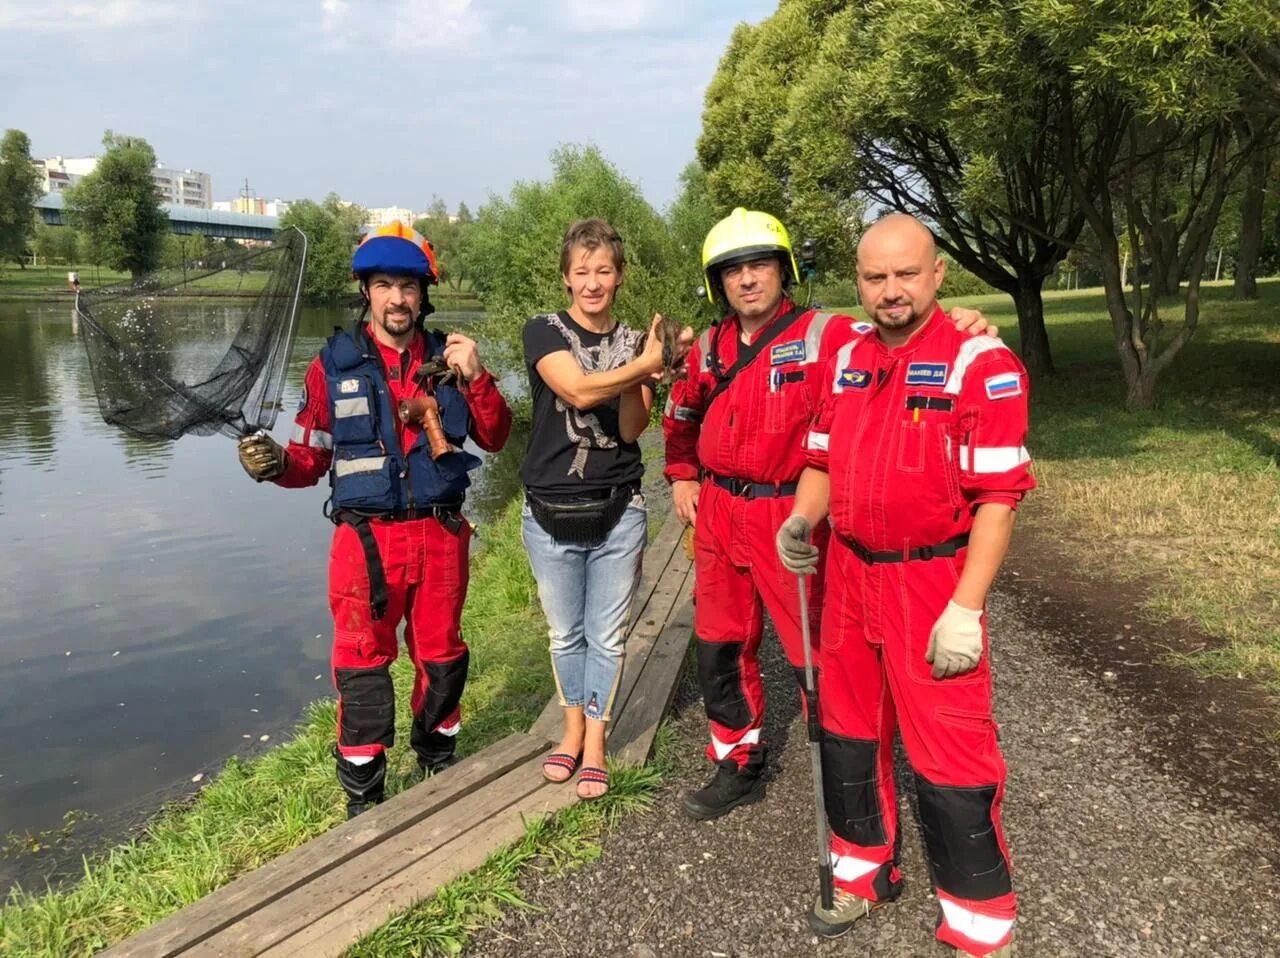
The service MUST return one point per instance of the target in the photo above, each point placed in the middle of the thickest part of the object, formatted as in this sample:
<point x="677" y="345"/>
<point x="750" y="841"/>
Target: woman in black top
<point x="585" y="523"/>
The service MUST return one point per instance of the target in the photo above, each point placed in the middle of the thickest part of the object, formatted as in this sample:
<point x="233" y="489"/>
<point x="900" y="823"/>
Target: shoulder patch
<point x="1004" y="386"/>
<point x="862" y="328"/>
<point x="790" y="352"/>
<point x="926" y="374"/>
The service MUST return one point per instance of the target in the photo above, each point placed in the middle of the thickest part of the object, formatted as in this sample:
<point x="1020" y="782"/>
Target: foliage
<point x="515" y="247"/>
<point x="19" y="190"/>
<point x="1003" y="125"/>
<point x="118" y="207"/>
<point x="450" y="238"/>
<point x="332" y="229"/>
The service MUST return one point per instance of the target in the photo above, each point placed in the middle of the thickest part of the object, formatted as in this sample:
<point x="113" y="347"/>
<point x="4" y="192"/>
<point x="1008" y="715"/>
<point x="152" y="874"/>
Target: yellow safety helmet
<point x="745" y="235"/>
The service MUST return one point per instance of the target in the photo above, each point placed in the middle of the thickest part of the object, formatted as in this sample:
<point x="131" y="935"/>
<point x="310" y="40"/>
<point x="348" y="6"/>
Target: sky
<point x="385" y="102"/>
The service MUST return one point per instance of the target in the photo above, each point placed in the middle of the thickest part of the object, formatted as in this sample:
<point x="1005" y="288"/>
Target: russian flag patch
<point x="1004" y="385"/>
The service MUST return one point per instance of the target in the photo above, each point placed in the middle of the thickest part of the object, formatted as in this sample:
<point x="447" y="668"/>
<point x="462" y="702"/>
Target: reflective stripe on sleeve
<point x="843" y="357"/>
<point x="970" y="350"/>
<point x="318" y="439"/>
<point x="990" y="459"/>
<point x="348" y="467"/>
<point x="346" y="408"/>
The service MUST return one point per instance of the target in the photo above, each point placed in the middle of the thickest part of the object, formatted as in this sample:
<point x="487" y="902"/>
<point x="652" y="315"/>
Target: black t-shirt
<point x="571" y="452"/>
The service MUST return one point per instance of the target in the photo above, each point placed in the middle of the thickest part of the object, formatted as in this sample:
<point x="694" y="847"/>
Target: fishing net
<point x="200" y="348"/>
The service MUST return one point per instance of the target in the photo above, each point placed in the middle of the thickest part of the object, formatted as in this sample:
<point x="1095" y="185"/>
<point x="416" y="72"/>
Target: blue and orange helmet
<point x="397" y="250"/>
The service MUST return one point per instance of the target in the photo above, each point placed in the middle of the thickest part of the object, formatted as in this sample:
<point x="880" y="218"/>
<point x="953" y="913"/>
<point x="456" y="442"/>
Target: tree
<point x="913" y="105"/>
<point x="332" y="229"/>
<point x="449" y="239"/>
<point x="515" y="247"/>
<point x="464" y="213"/>
<point x="19" y="190"/>
<point x="118" y="207"/>
<point x="690" y="218"/>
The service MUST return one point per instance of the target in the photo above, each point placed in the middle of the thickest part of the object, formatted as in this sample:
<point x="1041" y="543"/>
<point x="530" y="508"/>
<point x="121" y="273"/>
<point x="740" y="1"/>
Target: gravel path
<point x="1117" y="852"/>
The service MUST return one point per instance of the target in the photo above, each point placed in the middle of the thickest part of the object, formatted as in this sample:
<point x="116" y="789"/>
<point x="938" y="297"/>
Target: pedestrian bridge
<point x="184" y="219"/>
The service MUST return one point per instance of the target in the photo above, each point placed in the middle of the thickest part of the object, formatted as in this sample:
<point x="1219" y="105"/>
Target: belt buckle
<point x="925" y="552"/>
<point x="745" y="489"/>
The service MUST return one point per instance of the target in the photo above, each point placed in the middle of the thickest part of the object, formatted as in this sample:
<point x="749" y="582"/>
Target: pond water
<point x="159" y="611"/>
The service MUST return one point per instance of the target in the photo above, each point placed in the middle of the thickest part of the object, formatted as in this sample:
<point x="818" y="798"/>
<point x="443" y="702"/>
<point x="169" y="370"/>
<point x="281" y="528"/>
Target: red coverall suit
<point x="750" y="440"/>
<point x="426" y="571"/>
<point x="914" y="440"/>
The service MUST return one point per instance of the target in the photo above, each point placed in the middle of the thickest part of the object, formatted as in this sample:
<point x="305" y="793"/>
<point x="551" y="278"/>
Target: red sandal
<point x="593" y="776"/>
<point x="560" y="760"/>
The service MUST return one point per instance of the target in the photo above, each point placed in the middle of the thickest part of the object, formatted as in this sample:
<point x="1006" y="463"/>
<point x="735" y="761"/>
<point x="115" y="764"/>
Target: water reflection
<point x="160" y="612"/>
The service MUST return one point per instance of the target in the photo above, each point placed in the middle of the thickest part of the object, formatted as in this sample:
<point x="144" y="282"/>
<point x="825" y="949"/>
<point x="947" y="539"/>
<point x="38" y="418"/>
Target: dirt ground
<point x="1141" y="812"/>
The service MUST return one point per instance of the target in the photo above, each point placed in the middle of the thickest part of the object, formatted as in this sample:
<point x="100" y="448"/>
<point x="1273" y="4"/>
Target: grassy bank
<point x="1180" y="505"/>
<point x="254" y="811"/>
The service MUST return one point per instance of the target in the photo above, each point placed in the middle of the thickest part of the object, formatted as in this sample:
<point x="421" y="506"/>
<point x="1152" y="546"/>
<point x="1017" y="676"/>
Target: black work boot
<point x="728" y="788"/>
<point x="364" y="784"/>
<point x="434" y="766"/>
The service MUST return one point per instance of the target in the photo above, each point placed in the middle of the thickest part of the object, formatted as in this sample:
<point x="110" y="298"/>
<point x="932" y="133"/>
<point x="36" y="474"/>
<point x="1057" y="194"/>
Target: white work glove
<point x="261" y="456"/>
<point x="795" y="551"/>
<point x="955" y="644"/>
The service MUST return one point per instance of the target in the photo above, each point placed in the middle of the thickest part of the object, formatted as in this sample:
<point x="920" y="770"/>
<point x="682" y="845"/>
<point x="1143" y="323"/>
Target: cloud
<point x="406" y="25"/>
<point x="619" y="16"/>
<point x="78" y="16"/>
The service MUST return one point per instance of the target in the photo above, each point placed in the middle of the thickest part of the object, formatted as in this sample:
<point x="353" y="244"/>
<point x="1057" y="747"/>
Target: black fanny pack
<point x="582" y="521"/>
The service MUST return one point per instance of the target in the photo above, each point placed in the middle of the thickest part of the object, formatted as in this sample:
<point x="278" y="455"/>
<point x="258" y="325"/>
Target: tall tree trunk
<point x="1140" y="391"/>
<point x="1036" y="355"/>
<point x="1246" y="286"/>
<point x="1165" y="280"/>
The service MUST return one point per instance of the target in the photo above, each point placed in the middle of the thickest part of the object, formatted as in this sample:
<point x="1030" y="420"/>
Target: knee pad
<point x="849" y="789"/>
<point x="960" y="836"/>
<point x="445" y="682"/>
<point x="720" y="678"/>
<point x="367" y="707"/>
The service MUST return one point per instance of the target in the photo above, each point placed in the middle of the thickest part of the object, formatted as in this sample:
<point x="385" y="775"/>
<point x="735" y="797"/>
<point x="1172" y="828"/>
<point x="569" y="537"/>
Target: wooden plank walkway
<point x="323" y="896"/>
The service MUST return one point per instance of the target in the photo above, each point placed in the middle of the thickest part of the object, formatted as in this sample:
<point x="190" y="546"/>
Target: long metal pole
<point x="815" y="752"/>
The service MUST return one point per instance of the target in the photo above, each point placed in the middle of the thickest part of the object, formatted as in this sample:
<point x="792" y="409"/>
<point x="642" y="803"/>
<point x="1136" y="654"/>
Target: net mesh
<point x="199" y="349"/>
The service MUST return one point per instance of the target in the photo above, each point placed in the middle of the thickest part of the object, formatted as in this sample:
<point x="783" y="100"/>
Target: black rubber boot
<point x="428" y="768"/>
<point x="364" y="784"/>
<point x="728" y="788"/>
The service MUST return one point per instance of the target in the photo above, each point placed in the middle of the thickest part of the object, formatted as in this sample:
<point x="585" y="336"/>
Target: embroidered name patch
<point x="349" y="386"/>
<point x="854" y="378"/>
<point x="1004" y="385"/>
<point x="792" y="352"/>
<point x="926" y="374"/>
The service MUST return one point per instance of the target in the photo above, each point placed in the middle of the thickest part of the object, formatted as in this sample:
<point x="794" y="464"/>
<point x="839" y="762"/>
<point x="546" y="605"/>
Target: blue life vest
<point x="370" y="472"/>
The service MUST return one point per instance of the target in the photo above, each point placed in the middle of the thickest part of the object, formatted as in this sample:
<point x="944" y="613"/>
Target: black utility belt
<point x="586" y="520"/>
<point x="754" y="490"/>
<point x="873" y="557"/>
<point x="438" y="510"/>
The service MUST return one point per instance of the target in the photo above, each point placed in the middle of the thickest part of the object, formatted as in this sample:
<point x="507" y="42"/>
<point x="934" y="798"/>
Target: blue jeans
<point x="586" y="594"/>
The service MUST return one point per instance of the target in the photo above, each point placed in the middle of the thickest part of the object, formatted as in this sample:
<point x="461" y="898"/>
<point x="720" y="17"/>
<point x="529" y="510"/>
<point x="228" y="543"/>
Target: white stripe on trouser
<point x="358" y="759"/>
<point x="988" y="459"/>
<point x="849" y="868"/>
<point x="819" y="440"/>
<point x="346" y="467"/>
<point x="346" y="408"/>
<point x="450" y="730"/>
<point x="722" y="749"/>
<point x="981" y="928"/>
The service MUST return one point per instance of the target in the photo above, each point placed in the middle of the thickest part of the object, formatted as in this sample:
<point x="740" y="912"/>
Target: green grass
<point x="1180" y="504"/>
<point x="254" y="811"/>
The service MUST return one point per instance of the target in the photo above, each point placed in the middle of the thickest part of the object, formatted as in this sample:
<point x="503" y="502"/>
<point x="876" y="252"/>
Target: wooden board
<point x="331" y="935"/>
<point x="631" y="738"/>
<point x="296" y="869"/>
<point x="330" y="900"/>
